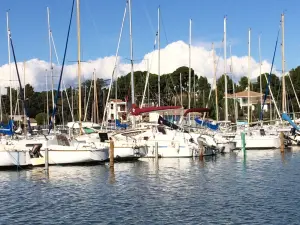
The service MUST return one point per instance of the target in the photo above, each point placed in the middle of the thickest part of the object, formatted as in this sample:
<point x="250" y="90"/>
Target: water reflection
<point x="158" y="191"/>
<point x="282" y="157"/>
<point x="112" y="176"/>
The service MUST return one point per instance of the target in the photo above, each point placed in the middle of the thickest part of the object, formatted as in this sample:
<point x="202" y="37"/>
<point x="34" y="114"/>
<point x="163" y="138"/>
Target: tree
<point x="29" y="91"/>
<point x="170" y="90"/>
<point x="203" y="89"/>
<point x="221" y="93"/>
<point x="41" y="118"/>
<point x="243" y="83"/>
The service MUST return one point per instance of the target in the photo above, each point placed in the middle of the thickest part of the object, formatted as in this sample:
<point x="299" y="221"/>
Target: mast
<point x="79" y="65"/>
<point x="158" y="46"/>
<point x="233" y="87"/>
<point x="181" y="90"/>
<point x="283" y="67"/>
<point x="260" y="84"/>
<point x="131" y="58"/>
<point x="215" y="78"/>
<point x="9" y="65"/>
<point x="47" y="97"/>
<point x="148" y="86"/>
<point x="51" y="66"/>
<point x="95" y="96"/>
<point x="194" y="90"/>
<point x="62" y="107"/>
<point x="24" y="121"/>
<point x="116" y="86"/>
<point x="225" y="70"/>
<point x="249" y="72"/>
<point x="112" y="76"/>
<point x="84" y="100"/>
<point x="72" y="102"/>
<point x="190" y="42"/>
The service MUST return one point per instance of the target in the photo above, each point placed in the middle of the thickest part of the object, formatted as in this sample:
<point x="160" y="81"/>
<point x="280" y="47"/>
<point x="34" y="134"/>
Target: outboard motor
<point x="35" y="152"/>
<point x="293" y="131"/>
<point x="209" y="144"/>
<point x="262" y="132"/>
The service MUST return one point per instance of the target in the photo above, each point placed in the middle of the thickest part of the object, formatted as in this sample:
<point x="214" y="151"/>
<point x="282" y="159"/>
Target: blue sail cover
<point x="7" y="129"/>
<point x="288" y="119"/>
<point x="121" y="125"/>
<point x="207" y="124"/>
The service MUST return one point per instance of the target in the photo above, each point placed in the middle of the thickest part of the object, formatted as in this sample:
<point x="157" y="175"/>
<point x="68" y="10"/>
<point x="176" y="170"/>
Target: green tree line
<point x="170" y="94"/>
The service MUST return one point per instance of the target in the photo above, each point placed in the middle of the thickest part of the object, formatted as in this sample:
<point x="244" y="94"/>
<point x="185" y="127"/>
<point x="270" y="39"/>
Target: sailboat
<point x="258" y="137"/>
<point x="64" y="150"/>
<point x="124" y="149"/>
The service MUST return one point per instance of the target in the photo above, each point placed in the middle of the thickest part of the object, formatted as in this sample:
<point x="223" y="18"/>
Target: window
<point x="122" y="107"/>
<point x="111" y="106"/>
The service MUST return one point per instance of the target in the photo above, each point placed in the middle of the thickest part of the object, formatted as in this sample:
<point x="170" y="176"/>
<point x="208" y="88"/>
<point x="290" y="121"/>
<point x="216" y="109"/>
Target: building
<point x="116" y="109"/>
<point x="255" y="99"/>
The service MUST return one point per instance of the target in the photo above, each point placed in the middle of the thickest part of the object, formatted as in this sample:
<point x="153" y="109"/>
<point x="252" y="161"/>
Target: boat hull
<point x="14" y="158"/>
<point x="70" y="156"/>
<point x="171" y="150"/>
<point x="130" y="153"/>
<point x="259" y="142"/>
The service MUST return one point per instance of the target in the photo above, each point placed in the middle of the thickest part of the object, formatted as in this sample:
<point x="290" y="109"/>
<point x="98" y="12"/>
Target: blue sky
<point x="101" y="21"/>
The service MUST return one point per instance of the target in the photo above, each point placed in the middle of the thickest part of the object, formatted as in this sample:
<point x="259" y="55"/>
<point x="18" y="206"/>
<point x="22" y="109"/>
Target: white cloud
<point x="173" y="56"/>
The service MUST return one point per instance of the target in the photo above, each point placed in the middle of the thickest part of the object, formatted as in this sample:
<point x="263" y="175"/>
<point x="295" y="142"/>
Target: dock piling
<point x="111" y="152"/>
<point x="281" y="142"/>
<point x="201" y="148"/>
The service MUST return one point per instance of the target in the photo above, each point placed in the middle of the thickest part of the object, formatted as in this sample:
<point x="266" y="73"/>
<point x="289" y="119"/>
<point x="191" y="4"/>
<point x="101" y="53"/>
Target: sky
<point x="101" y="23"/>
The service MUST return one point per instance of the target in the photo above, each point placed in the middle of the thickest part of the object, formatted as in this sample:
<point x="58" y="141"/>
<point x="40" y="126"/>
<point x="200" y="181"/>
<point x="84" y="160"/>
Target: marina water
<point x="226" y="189"/>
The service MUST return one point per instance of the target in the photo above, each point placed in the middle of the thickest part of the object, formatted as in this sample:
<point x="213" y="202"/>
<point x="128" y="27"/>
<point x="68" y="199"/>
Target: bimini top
<point x="138" y="111"/>
<point x="196" y="110"/>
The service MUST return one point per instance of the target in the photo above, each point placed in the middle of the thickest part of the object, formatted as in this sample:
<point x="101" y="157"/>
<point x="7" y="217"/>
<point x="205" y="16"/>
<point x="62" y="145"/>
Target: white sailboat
<point x="125" y="149"/>
<point x="64" y="150"/>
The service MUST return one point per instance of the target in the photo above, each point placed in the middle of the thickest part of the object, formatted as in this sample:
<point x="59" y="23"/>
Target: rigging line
<point x="294" y="90"/>
<point x="62" y="70"/>
<point x="163" y="26"/>
<point x="148" y="17"/>
<point x="172" y="81"/>
<point x="88" y="101"/>
<point x="147" y="82"/>
<point x="72" y="114"/>
<point x="21" y="92"/>
<point x="268" y="80"/>
<point x="115" y="66"/>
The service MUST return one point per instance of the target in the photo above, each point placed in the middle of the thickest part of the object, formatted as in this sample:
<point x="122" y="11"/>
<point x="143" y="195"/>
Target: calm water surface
<point x="264" y="189"/>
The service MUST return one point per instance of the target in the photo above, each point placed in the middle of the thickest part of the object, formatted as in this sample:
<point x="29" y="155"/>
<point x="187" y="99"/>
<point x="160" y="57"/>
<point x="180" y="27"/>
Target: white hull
<point x="227" y="147"/>
<point x="170" y="150"/>
<point x="123" y="150"/>
<point x="129" y="152"/>
<point x="67" y="155"/>
<point x="14" y="158"/>
<point x="259" y="142"/>
<point x="295" y="139"/>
